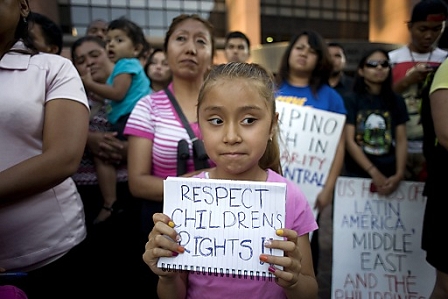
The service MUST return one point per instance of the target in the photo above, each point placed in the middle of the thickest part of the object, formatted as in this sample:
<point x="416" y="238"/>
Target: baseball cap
<point x="429" y="11"/>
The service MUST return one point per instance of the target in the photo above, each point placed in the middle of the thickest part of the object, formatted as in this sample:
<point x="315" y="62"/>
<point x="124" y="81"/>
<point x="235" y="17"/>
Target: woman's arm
<point x="141" y="183"/>
<point x="64" y="138"/>
<point x="358" y="155"/>
<point x="325" y="196"/>
<point x="401" y="150"/>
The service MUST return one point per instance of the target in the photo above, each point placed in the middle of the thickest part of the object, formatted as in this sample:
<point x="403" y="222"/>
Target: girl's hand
<point x="161" y="242"/>
<point x="291" y="261"/>
<point x="378" y="179"/>
<point x="390" y="185"/>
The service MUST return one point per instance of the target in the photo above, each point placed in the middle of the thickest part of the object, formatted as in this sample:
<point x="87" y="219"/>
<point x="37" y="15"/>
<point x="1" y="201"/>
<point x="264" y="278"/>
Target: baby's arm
<point x="297" y="277"/>
<point x="115" y="92"/>
<point x="160" y="243"/>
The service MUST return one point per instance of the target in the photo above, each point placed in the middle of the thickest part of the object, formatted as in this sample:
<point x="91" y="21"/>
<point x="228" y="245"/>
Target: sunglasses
<point x="375" y="63"/>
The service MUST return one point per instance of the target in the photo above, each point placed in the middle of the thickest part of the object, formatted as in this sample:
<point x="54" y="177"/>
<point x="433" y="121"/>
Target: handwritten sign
<point x="376" y="247"/>
<point x="308" y="141"/>
<point x="223" y="224"/>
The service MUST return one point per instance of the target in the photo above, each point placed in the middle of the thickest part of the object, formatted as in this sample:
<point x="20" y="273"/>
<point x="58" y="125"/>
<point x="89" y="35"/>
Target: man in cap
<point x="411" y="65"/>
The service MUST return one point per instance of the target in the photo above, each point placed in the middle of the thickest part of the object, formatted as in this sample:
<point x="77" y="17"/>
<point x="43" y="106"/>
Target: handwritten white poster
<point x="308" y="141"/>
<point x="223" y="224"/>
<point x="376" y="242"/>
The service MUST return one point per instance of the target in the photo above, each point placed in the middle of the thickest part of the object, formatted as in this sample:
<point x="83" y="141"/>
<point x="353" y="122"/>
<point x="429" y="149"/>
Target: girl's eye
<point x="249" y="120"/>
<point x="202" y="41"/>
<point x="180" y="38"/>
<point x="215" y="121"/>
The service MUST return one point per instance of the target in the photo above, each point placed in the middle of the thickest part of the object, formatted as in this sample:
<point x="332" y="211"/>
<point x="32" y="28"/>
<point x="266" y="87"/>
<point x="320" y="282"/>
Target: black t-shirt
<point x="375" y="122"/>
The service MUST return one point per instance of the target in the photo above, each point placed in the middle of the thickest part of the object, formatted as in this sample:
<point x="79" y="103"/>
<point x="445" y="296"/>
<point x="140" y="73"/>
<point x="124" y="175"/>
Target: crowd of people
<point x="83" y="167"/>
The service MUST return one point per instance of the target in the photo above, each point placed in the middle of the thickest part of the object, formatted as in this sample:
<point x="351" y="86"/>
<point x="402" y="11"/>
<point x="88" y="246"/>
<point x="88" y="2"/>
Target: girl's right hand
<point x="378" y="179"/>
<point x="161" y="242"/>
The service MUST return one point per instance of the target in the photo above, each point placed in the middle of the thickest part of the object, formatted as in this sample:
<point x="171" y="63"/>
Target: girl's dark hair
<point x="360" y="86"/>
<point x="132" y="30"/>
<point x="87" y="38"/>
<point x="179" y="19"/>
<point x="324" y="65"/>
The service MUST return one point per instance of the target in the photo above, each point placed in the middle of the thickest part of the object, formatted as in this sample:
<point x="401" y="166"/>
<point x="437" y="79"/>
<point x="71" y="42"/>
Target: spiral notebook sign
<point x="223" y="224"/>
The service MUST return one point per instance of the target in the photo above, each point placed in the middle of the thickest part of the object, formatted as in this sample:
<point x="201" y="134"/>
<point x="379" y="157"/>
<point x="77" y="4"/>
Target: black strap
<point x="199" y="155"/>
<point x="181" y="115"/>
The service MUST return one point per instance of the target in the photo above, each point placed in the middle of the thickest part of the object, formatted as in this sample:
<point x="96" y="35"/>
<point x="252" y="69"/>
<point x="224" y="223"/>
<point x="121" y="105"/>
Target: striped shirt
<point x="155" y="118"/>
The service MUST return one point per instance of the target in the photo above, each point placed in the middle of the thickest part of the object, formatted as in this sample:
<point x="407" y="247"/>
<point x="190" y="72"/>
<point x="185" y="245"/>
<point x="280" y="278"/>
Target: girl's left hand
<point x="390" y="185"/>
<point x="291" y="261"/>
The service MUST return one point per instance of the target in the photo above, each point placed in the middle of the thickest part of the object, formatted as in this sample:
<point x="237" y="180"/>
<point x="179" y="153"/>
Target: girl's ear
<point x="137" y="50"/>
<point x="274" y="126"/>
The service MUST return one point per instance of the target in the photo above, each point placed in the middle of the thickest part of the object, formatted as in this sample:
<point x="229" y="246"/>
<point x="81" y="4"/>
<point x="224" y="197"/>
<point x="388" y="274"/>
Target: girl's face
<point x="189" y="50"/>
<point x="303" y="58"/>
<point x="119" y="45"/>
<point x="375" y="69"/>
<point x="235" y="123"/>
<point x="158" y="68"/>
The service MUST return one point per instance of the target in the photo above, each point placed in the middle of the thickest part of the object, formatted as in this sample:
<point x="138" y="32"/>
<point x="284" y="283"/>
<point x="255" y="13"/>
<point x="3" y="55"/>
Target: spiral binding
<point x="245" y="274"/>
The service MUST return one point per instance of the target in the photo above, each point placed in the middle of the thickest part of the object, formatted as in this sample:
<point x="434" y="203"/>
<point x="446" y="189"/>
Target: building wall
<point x="259" y="19"/>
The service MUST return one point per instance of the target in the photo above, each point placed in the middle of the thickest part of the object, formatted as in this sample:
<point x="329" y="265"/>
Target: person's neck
<point x="187" y="91"/>
<point x="300" y="80"/>
<point x="374" y="88"/>
<point x="335" y="78"/>
<point x="415" y="49"/>
<point x="5" y="47"/>
<point x="156" y="86"/>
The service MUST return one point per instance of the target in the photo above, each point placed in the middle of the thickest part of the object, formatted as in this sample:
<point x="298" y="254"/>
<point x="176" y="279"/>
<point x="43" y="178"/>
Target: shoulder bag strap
<point x="200" y="157"/>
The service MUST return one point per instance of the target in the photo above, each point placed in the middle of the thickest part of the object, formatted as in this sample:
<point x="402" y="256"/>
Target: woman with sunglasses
<point x="375" y="125"/>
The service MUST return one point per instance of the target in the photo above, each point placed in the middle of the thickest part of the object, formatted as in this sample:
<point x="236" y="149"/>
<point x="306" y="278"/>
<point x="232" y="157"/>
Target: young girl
<point x="238" y="121"/>
<point x="126" y="85"/>
<point x="158" y="70"/>
<point x="376" y="125"/>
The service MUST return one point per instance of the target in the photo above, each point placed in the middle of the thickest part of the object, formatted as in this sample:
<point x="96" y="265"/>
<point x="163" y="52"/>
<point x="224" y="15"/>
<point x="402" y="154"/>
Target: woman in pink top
<point x="43" y="130"/>
<point x="154" y="128"/>
<point x="238" y="121"/>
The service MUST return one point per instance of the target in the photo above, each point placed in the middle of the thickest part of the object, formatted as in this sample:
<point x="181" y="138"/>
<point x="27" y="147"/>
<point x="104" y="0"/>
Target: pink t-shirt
<point x="42" y="227"/>
<point x="299" y="217"/>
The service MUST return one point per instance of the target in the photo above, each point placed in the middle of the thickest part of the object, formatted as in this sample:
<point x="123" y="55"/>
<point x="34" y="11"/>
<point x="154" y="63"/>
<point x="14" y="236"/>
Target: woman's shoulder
<point x="47" y="60"/>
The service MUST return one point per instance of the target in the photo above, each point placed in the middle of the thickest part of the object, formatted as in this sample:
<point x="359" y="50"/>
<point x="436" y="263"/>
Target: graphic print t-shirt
<point x="375" y="122"/>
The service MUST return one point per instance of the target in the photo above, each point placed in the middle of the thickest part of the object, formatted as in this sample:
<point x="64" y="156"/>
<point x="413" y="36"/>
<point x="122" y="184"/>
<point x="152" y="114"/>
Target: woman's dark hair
<point x="324" y="65"/>
<point x="81" y="40"/>
<point x="360" y="86"/>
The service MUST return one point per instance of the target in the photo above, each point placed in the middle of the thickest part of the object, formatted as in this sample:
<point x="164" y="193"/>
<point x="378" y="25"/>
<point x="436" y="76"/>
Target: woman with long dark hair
<point x="302" y="79"/>
<point x="375" y="126"/>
